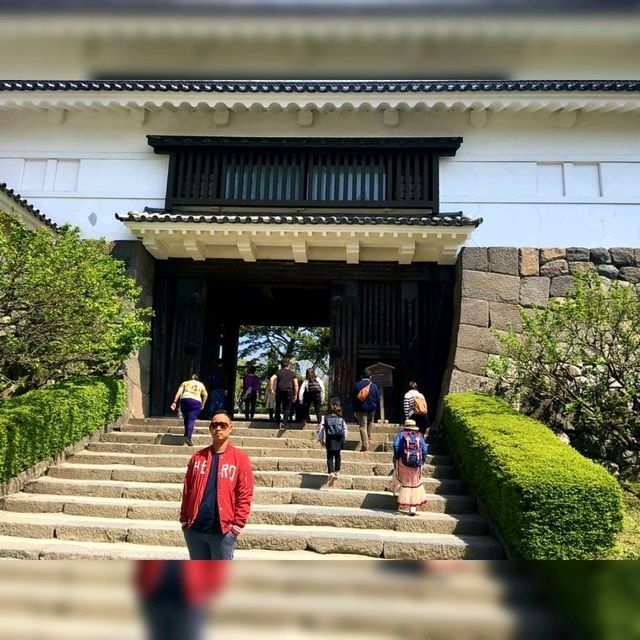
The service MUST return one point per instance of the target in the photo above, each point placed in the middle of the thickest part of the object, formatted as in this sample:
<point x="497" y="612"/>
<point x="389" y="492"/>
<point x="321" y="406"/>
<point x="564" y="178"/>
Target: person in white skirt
<point x="409" y="456"/>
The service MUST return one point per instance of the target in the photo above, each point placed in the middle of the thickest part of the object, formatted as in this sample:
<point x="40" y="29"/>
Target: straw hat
<point x="410" y="425"/>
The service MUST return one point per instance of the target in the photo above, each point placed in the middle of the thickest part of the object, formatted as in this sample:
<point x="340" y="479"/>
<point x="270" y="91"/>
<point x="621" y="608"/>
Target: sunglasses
<point x="219" y="425"/>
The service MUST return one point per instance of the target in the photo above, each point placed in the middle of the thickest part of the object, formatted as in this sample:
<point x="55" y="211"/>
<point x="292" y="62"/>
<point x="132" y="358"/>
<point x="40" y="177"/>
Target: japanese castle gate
<point x="338" y="232"/>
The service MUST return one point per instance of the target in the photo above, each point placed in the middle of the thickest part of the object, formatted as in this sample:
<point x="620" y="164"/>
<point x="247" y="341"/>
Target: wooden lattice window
<point x="304" y="173"/>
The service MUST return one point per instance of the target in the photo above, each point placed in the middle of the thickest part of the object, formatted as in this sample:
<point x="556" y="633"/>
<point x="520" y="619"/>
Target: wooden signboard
<point x="382" y="375"/>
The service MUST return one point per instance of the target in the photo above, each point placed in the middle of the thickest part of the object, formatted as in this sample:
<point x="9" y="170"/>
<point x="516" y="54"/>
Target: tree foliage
<point x="266" y="347"/>
<point x="577" y="366"/>
<point x="67" y="308"/>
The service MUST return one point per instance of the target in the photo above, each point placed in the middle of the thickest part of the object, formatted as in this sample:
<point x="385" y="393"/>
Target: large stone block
<point x="560" y="286"/>
<point x="622" y="256"/>
<point x="577" y="254"/>
<point x="478" y="339"/>
<point x="475" y="258"/>
<point x="493" y="287"/>
<point x="534" y="292"/>
<point x="549" y="255"/>
<point x="579" y="267"/>
<point x="630" y="274"/>
<point x="554" y="269"/>
<point x="463" y="381"/>
<point x="608" y="271"/>
<point x="529" y="262"/>
<point x="475" y="312"/>
<point x="471" y="361"/>
<point x="600" y="255"/>
<point x="504" y="316"/>
<point x="503" y="260"/>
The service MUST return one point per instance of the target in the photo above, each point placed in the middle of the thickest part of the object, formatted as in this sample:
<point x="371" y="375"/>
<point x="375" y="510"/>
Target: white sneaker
<point x="412" y="511"/>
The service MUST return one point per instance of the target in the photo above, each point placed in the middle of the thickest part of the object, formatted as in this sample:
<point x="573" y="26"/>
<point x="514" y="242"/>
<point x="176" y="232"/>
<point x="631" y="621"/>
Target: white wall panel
<point x="34" y="176"/>
<point x="621" y="180"/>
<point x="11" y="170"/>
<point x="124" y="177"/>
<point x="515" y="180"/>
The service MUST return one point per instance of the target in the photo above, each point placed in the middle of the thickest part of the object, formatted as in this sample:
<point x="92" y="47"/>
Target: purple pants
<point x="190" y="408"/>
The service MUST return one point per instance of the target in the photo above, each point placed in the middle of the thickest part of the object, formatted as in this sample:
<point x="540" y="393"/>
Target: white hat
<point x="410" y="425"/>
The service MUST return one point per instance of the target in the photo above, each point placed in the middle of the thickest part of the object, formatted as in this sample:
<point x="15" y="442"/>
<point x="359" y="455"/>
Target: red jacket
<point x="234" y="488"/>
<point x="202" y="579"/>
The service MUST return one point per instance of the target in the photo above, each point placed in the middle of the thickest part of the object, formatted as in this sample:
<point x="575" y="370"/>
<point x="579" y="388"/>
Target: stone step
<point x="22" y="626"/>
<point x="132" y="473"/>
<point x="274" y="507"/>
<point x="255" y="424"/>
<point x="316" y="451"/>
<point x="353" y="437"/>
<point x="12" y="547"/>
<point x="472" y="581"/>
<point x="259" y="464"/>
<point x="298" y="616"/>
<point x="270" y="607"/>
<point x="273" y="449"/>
<point x="336" y="496"/>
<point x="376" y="543"/>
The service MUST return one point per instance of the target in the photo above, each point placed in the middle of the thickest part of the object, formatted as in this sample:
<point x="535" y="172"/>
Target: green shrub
<point x="576" y="367"/>
<point x="548" y="501"/>
<point x="41" y="423"/>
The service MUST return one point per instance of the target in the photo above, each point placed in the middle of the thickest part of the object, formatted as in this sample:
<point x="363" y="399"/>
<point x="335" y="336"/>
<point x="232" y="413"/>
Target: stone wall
<point x="141" y="267"/>
<point x="494" y="281"/>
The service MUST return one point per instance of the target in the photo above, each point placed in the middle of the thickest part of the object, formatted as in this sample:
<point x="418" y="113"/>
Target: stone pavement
<point x="119" y="498"/>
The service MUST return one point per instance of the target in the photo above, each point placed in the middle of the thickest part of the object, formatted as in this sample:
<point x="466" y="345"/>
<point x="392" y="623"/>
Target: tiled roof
<point x="161" y="215"/>
<point x="18" y="199"/>
<point x="280" y="7"/>
<point x="322" y="86"/>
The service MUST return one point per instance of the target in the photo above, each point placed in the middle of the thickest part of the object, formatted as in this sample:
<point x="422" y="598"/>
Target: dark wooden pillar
<point x="177" y="336"/>
<point x="409" y="338"/>
<point x="344" y="321"/>
<point x="230" y="360"/>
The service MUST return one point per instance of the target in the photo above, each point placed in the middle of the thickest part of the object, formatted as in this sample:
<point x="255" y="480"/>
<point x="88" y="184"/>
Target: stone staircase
<point x="119" y="498"/>
<point x="291" y="600"/>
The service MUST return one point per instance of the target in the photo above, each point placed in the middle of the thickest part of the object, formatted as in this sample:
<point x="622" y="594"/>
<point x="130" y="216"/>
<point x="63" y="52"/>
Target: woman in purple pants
<point x="192" y="395"/>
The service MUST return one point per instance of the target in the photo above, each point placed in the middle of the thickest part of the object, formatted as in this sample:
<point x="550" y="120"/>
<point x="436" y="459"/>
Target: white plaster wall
<point x="534" y="182"/>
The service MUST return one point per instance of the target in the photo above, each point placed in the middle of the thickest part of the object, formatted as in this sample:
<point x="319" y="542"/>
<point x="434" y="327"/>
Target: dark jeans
<point x="250" y="405"/>
<point x="167" y="620"/>
<point x="333" y="461"/>
<point x="190" y="408"/>
<point x="284" y="400"/>
<point x="422" y="422"/>
<point x="217" y="400"/>
<point x="209" y="546"/>
<point x="316" y="406"/>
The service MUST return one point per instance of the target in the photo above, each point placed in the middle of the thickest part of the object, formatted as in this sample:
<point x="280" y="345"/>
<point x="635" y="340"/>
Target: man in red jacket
<point x="217" y="493"/>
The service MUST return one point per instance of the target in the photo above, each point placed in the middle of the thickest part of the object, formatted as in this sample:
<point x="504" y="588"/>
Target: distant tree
<point x="67" y="308"/>
<point x="266" y="347"/>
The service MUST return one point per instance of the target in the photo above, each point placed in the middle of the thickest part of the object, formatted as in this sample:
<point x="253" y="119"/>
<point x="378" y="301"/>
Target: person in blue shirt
<point x="364" y="400"/>
<point x="409" y="456"/>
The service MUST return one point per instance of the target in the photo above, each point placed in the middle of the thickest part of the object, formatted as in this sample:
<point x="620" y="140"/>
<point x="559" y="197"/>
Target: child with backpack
<point x="332" y="435"/>
<point x="409" y="456"/>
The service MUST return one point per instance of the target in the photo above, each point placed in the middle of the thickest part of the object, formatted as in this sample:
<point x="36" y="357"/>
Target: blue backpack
<point x="411" y="449"/>
<point x="333" y="425"/>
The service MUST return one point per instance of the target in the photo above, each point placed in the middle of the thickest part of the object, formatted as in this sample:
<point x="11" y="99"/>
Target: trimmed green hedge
<point x="41" y="423"/>
<point x="548" y="501"/>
